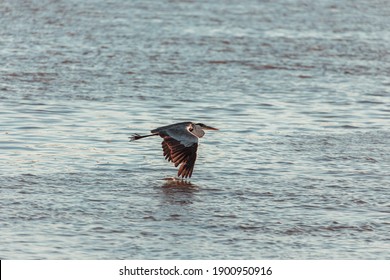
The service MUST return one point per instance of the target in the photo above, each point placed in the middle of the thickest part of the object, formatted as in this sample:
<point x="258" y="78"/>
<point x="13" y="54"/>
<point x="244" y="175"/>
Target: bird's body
<point x="180" y="144"/>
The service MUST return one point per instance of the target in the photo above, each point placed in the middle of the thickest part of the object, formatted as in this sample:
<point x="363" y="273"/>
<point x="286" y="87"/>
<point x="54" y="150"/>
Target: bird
<point x="180" y="144"/>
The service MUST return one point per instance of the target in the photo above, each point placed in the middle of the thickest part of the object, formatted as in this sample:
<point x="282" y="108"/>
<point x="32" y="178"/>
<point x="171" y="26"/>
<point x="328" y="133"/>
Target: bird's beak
<point x="209" y="128"/>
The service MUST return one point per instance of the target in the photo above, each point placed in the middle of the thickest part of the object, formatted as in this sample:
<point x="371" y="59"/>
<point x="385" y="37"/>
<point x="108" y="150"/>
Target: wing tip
<point x="185" y="170"/>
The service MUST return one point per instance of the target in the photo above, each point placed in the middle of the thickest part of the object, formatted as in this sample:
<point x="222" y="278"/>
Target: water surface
<point x="299" y="91"/>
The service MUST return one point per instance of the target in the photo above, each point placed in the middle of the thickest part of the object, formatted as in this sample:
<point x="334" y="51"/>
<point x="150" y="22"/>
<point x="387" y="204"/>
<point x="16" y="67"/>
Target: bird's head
<point x="205" y="127"/>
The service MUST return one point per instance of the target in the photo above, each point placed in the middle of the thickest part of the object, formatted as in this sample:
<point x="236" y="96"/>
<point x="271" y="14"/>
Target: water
<point x="299" y="168"/>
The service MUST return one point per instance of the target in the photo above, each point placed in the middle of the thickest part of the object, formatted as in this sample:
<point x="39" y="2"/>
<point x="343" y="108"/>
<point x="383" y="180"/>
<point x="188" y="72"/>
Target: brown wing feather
<point x="180" y="155"/>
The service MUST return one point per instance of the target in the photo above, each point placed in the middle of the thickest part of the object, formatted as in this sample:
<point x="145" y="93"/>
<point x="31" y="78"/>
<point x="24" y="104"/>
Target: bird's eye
<point x="191" y="128"/>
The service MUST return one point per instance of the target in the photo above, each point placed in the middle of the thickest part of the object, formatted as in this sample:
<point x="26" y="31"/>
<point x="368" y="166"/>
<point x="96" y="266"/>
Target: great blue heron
<point x="180" y="143"/>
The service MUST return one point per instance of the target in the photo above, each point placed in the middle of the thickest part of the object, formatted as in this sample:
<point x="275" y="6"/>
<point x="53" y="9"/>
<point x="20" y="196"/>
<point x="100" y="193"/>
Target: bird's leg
<point x="137" y="136"/>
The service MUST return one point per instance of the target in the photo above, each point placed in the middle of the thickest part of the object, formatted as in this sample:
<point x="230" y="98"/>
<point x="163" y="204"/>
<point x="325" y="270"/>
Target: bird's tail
<point x="137" y="136"/>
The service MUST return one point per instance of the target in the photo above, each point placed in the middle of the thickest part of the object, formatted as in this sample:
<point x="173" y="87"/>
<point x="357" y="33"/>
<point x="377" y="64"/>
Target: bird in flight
<point x="180" y="144"/>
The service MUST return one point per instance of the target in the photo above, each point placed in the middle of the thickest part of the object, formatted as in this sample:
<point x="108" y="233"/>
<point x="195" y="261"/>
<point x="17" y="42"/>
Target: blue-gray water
<point x="300" y="90"/>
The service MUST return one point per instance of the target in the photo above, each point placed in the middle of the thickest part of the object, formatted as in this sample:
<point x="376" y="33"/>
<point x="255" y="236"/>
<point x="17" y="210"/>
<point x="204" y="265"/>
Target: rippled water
<point x="299" y="168"/>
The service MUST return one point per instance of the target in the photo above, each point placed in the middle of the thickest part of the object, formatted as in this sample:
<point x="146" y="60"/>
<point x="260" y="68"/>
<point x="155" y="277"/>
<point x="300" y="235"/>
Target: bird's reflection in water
<point x="177" y="192"/>
<point x="179" y="185"/>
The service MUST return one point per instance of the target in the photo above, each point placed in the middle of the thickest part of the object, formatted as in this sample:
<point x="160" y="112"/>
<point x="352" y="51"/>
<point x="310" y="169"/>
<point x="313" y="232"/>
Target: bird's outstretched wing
<point x="179" y="147"/>
<point x="180" y="155"/>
